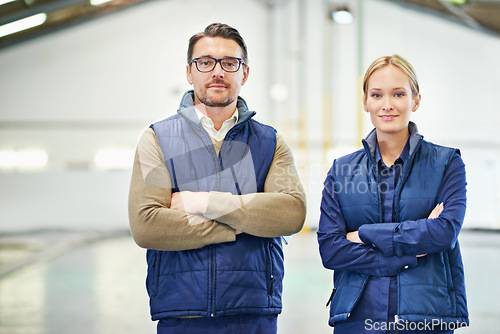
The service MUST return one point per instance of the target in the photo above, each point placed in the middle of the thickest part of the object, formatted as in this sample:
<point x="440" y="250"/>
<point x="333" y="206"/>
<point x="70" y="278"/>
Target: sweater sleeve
<point x="278" y="211"/>
<point x="153" y="224"/>
<point x="338" y="253"/>
<point x="425" y="236"/>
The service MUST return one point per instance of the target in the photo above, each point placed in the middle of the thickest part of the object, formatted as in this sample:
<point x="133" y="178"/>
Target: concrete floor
<point x="66" y="282"/>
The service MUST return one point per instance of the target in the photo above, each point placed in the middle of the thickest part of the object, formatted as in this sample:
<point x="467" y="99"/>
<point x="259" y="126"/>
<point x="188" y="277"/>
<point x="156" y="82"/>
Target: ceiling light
<point x="23" y="24"/>
<point x="98" y="2"/>
<point x="342" y="15"/>
<point x="457" y="2"/>
<point x="279" y="92"/>
<point x="115" y="158"/>
<point x="3" y="2"/>
<point x="23" y="159"/>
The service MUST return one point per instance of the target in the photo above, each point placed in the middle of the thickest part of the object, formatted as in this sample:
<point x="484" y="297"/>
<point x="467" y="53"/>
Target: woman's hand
<point x="433" y="215"/>
<point x="354" y="237"/>
<point x="436" y="211"/>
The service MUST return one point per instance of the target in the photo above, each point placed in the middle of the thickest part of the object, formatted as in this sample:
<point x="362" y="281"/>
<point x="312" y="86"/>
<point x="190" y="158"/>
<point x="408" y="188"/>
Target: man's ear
<point x="246" y="71"/>
<point x="188" y="74"/>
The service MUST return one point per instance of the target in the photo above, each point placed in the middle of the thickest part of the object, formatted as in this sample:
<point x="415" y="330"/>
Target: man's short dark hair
<point x="218" y="30"/>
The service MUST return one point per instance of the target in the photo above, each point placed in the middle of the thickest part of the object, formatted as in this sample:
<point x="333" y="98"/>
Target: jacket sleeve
<point x="425" y="236"/>
<point x="152" y="223"/>
<point x="278" y="211"/>
<point x="338" y="253"/>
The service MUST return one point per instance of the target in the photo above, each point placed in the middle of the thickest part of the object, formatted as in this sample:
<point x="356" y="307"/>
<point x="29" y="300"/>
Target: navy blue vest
<point x="244" y="276"/>
<point x="439" y="280"/>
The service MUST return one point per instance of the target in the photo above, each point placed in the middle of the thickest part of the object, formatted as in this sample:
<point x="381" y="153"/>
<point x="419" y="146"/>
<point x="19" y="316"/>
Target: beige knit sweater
<point x="278" y="211"/>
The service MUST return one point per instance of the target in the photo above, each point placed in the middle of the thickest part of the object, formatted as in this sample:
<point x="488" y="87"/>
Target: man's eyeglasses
<point x="207" y="64"/>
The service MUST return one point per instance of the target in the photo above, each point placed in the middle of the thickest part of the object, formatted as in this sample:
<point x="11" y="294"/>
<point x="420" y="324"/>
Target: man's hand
<point x="195" y="203"/>
<point x="354" y="237"/>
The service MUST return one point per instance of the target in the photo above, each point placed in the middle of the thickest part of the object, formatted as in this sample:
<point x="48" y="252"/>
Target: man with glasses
<point x="212" y="193"/>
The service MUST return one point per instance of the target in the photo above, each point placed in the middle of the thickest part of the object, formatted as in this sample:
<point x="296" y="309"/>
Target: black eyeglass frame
<point x="240" y="62"/>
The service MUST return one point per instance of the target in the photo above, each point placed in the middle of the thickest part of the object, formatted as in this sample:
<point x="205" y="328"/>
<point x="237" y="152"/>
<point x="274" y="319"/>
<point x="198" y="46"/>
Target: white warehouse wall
<point x="458" y="72"/>
<point x="96" y="85"/>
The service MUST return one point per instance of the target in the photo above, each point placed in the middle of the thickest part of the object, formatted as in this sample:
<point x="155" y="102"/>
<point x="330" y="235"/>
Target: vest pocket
<point x="270" y="269"/>
<point x="449" y="282"/>
<point x="348" y="288"/>
<point x="154" y="272"/>
<point x="331" y="297"/>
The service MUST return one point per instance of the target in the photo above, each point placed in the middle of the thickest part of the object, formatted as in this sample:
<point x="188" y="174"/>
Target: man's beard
<point x="203" y="98"/>
<point x="209" y="103"/>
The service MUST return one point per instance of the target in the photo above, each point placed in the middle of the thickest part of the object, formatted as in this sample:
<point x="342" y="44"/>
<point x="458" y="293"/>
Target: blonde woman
<point x="391" y="213"/>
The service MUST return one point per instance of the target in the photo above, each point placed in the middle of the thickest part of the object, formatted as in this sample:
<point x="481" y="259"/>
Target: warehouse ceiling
<point x="483" y="15"/>
<point x="53" y="15"/>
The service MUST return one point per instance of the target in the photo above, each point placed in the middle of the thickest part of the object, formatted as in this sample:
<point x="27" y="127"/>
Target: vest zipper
<point x="270" y="289"/>
<point x="156" y="272"/>
<point x="379" y="200"/>
<point x="331" y="297"/>
<point x="405" y="172"/>
<point x="212" y="281"/>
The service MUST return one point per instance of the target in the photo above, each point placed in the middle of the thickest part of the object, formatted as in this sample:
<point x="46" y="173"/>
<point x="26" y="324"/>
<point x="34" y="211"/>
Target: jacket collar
<point x="186" y="109"/>
<point x="402" y="157"/>
<point x="370" y="142"/>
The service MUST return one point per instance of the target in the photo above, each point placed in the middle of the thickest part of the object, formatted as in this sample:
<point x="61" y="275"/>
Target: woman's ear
<point x="416" y="103"/>
<point x="365" y="108"/>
